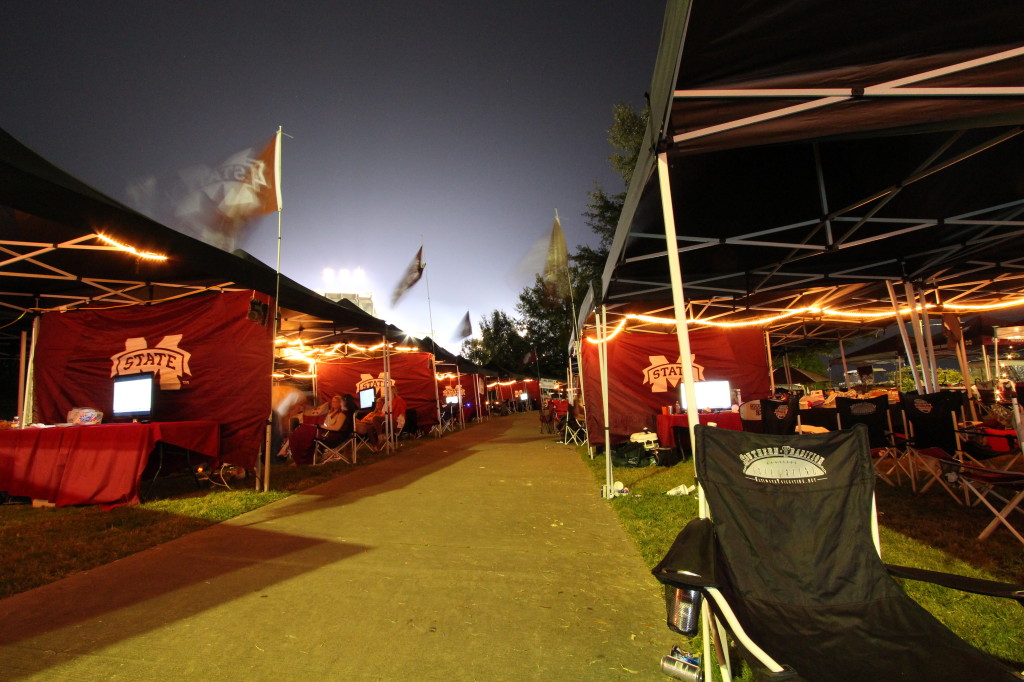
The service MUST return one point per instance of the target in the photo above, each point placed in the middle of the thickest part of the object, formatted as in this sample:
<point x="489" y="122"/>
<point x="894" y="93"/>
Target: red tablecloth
<point x="99" y="464"/>
<point x="724" y="420"/>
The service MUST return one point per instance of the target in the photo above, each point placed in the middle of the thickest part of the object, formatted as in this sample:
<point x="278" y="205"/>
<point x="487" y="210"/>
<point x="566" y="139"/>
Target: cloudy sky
<point x="459" y="125"/>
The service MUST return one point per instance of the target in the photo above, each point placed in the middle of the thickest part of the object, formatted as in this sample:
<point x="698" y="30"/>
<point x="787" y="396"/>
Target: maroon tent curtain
<point x="644" y="374"/>
<point x="212" y="361"/>
<point x="412" y="373"/>
<point x="448" y="386"/>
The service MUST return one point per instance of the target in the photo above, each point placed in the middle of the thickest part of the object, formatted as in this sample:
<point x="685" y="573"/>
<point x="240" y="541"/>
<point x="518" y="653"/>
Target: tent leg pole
<point x="915" y="322"/>
<point x="602" y="351"/>
<point x="679" y="306"/>
<point x="995" y="354"/>
<point x="22" y="362"/>
<point x="266" y="458"/>
<point x="929" y="345"/>
<point x="903" y="334"/>
<point x="846" y="371"/>
<point x="28" y="408"/>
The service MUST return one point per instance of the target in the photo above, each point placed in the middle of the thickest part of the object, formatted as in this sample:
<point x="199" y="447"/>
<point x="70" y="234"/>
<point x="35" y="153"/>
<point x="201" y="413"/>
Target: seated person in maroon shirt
<point x="336" y="427"/>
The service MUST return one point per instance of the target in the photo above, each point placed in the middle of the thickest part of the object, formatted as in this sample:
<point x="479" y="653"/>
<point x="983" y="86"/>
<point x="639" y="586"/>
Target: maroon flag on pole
<point x="215" y="202"/>
<point x="411" y="276"/>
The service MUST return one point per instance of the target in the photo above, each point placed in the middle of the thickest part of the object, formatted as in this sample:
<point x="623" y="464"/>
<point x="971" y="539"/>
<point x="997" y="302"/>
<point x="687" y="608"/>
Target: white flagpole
<point x="572" y="295"/>
<point x="433" y="344"/>
<point x="277" y="294"/>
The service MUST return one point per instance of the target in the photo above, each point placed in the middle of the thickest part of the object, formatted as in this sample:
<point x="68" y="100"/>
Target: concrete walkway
<point x="485" y="555"/>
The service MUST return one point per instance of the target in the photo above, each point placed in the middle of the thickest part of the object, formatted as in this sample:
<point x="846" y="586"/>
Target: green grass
<point x="41" y="545"/>
<point x="920" y="530"/>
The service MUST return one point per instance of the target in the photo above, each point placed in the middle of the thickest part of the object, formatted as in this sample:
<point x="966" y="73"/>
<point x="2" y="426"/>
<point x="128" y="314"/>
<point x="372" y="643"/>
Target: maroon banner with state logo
<point x="212" y="362"/>
<point x="412" y="375"/>
<point x="645" y="374"/>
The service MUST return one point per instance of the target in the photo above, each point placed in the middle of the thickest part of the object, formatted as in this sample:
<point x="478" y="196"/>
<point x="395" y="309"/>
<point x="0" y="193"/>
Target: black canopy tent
<point x="810" y="167"/>
<point x="64" y="244"/>
<point x="812" y="151"/>
<point x="50" y="227"/>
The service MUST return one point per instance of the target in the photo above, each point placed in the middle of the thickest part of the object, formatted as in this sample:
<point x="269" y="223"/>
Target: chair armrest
<point x="989" y="588"/>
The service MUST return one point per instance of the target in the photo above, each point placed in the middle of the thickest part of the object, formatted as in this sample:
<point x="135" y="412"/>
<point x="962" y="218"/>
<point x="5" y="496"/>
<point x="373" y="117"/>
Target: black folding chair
<point x="1001" y="492"/>
<point x="788" y="561"/>
<point x="780" y="416"/>
<point x="935" y="444"/>
<point x="411" y="428"/>
<point x="890" y="464"/>
<point x="330" y="446"/>
<point x="574" y="432"/>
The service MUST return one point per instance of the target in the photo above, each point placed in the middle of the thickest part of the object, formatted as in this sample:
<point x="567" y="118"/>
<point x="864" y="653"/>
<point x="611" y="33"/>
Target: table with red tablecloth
<point x="724" y="420"/>
<point x="96" y="464"/>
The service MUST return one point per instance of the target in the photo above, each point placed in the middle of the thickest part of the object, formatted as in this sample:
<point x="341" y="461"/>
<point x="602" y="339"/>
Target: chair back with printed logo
<point x="871" y="412"/>
<point x="931" y="418"/>
<point x="795" y="559"/>
<point x="779" y="416"/>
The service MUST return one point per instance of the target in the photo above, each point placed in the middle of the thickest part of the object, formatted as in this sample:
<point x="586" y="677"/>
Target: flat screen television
<point x="133" y="395"/>
<point x="367" y="398"/>
<point x="452" y="400"/>
<point x="524" y="396"/>
<point x="711" y="395"/>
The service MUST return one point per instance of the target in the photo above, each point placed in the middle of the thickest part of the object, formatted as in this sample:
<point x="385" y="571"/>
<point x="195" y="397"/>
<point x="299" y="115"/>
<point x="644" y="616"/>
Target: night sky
<point x="459" y="125"/>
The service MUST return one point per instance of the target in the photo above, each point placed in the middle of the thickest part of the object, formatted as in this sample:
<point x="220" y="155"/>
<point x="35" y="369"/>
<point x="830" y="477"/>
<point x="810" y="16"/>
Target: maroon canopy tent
<point x="212" y="361"/>
<point x="645" y="375"/>
<point x="412" y="375"/>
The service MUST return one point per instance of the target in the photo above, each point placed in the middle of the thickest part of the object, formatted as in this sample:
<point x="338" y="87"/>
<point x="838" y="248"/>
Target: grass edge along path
<point x="653" y="519"/>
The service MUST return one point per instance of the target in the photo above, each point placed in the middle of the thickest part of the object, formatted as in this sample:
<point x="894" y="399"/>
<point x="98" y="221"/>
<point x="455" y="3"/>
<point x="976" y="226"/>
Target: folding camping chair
<point x="780" y="416"/>
<point x="934" y="442"/>
<point x="574" y="432"/>
<point x="750" y="416"/>
<point x="411" y="428"/>
<point x="890" y="465"/>
<point x="449" y="419"/>
<point x="547" y="420"/>
<point x="327" y="449"/>
<point x="788" y="561"/>
<point x="1001" y="492"/>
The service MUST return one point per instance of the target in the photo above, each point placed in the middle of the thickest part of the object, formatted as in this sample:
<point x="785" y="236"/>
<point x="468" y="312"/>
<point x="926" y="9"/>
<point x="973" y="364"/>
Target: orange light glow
<point x="148" y="255"/>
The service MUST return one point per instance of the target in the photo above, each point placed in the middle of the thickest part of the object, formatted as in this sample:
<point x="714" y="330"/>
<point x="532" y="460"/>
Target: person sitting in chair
<point x="338" y="422"/>
<point x="336" y="426"/>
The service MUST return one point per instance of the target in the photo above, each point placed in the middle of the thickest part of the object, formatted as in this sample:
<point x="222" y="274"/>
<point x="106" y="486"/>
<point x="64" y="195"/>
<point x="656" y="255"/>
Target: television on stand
<point x="711" y="395"/>
<point x="133" y="396"/>
<point x="367" y="398"/>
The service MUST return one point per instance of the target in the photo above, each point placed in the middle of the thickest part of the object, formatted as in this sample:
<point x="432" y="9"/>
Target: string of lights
<point x="811" y="310"/>
<point x="146" y="255"/>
